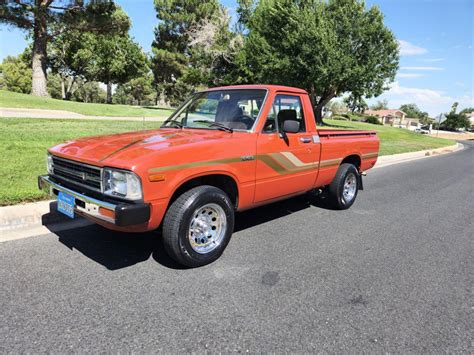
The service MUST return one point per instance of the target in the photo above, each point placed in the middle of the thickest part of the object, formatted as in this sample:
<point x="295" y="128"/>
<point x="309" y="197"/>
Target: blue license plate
<point x="66" y="204"/>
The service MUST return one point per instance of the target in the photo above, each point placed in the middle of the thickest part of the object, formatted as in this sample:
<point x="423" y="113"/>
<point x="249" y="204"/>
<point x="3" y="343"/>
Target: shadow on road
<point x="115" y="250"/>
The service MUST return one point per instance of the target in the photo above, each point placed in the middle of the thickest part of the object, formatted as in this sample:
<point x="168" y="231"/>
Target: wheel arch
<point x="353" y="159"/>
<point x="222" y="180"/>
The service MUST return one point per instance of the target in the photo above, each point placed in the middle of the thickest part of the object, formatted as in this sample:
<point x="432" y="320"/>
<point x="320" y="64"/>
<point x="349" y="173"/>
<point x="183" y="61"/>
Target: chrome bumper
<point x="124" y="214"/>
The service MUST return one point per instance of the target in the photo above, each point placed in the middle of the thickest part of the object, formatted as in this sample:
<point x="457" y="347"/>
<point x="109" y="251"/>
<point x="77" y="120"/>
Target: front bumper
<point x="121" y="214"/>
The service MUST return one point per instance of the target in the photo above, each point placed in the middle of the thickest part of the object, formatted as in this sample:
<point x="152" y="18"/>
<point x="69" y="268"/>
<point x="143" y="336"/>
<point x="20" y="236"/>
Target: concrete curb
<point x="34" y="219"/>
<point x="40" y="218"/>
<point x="388" y="160"/>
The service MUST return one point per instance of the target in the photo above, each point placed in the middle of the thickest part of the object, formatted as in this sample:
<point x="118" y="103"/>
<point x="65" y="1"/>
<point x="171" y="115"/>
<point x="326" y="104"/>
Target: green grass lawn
<point x="15" y="100"/>
<point x="23" y="144"/>
<point x="393" y="140"/>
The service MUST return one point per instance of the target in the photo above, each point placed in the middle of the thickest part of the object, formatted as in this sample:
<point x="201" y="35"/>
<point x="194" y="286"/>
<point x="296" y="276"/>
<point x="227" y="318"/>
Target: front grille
<point x="79" y="173"/>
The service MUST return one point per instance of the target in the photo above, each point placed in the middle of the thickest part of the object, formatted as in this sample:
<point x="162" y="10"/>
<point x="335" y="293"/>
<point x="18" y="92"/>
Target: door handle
<point x="305" y="140"/>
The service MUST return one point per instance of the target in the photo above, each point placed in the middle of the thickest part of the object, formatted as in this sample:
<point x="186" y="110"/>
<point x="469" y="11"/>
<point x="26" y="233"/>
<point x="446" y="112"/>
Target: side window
<point x="284" y="107"/>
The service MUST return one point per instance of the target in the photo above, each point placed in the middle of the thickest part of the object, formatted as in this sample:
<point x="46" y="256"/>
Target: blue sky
<point x="436" y="37"/>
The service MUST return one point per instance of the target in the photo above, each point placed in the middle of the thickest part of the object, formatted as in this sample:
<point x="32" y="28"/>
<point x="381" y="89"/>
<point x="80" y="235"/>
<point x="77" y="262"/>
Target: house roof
<point x="383" y="113"/>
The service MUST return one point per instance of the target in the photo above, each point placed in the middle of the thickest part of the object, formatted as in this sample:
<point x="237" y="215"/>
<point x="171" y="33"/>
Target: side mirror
<point x="291" y="126"/>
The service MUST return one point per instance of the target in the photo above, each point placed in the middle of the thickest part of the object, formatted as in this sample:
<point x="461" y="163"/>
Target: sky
<point x="436" y="46"/>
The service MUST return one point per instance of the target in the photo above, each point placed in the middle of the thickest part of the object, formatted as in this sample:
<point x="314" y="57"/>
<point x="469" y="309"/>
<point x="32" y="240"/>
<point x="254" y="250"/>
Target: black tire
<point x="178" y="218"/>
<point x="336" y="190"/>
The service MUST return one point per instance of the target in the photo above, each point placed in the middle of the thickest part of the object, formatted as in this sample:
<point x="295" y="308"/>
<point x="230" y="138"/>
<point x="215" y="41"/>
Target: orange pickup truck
<point x="224" y="150"/>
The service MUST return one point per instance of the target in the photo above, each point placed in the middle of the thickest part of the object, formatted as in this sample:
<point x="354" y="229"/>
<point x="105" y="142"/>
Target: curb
<point x="388" y="160"/>
<point x="35" y="219"/>
<point x="40" y="218"/>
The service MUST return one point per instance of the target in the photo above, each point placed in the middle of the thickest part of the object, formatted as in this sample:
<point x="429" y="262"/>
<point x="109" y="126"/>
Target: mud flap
<point x="361" y="185"/>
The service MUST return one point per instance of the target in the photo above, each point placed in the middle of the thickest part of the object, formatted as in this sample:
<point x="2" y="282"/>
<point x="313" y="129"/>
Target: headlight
<point x="49" y="163"/>
<point x="123" y="184"/>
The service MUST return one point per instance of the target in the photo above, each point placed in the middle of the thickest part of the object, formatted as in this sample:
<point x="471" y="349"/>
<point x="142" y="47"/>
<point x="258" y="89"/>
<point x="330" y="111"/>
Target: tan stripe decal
<point x="289" y="166"/>
<point x="196" y="164"/>
<point x="283" y="163"/>
<point x="294" y="159"/>
<point x="370" y="155"/>
<point x="330" y="162"/>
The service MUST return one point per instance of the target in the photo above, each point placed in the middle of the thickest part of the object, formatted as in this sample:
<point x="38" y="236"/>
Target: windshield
<point x="234" y="109"/>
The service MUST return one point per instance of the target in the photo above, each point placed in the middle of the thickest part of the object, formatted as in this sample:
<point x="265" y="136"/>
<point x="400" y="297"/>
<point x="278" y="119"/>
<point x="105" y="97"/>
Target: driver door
<point x="287" y="163"/>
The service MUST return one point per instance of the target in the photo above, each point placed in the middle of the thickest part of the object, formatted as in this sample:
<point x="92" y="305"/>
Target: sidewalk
<point x="40" y="218"/>
<point x="58" y="114"/>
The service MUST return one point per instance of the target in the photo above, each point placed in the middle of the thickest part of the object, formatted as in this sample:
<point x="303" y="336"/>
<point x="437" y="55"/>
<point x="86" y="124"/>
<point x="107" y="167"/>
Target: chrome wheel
<point x="207" y="228"/>
<point x="350" y="187"/>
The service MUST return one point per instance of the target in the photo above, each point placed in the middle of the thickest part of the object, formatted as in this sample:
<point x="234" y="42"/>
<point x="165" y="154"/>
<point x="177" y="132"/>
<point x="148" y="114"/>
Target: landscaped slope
<point x="10" y="99"/>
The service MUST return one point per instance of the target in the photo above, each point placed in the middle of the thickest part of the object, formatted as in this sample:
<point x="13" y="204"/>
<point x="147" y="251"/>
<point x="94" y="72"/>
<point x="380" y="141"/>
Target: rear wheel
<point x="345" y="186"/>
<point x="198" y="225"/>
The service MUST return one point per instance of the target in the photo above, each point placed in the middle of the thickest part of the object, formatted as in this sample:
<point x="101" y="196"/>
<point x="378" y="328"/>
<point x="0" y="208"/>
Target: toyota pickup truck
<point x="224" y="150"/>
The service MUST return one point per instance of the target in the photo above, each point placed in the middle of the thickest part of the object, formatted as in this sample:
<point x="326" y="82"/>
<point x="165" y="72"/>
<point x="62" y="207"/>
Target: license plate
<point x="66" y="204"/>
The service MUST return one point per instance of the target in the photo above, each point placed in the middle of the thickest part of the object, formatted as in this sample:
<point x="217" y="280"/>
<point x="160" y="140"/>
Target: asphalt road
<point x="392" y="274"/>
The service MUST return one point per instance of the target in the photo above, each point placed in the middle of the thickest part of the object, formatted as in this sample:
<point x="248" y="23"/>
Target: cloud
<point x="432" y="60"/>
<point x="409" y="75"/>
<point x="432" y="101"/>
<point x="407" y="48"/>
<point x="422" y="68"/>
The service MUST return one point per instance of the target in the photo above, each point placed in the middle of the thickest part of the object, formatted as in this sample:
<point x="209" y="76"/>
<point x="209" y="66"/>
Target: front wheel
<point x="198" y="226"/>
<point x="345" y="186"/>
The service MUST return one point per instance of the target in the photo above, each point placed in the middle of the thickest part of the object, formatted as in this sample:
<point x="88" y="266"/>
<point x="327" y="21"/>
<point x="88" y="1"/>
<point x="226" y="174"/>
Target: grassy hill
<point x="10" y="99"/>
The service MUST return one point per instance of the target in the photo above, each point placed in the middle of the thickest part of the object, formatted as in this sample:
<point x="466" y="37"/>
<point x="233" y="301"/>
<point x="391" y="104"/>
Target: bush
<point x="372" y="120"/>
<point x="339" y="117"/>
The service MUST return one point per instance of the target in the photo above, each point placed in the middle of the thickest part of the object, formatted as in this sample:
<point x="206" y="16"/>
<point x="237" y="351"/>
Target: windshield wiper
<point x="218" y="125"/>
<point x="175" y="124"/>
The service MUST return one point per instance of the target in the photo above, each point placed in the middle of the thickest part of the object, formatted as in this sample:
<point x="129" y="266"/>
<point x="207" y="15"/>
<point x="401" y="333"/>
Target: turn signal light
<point x="107" y="213"/>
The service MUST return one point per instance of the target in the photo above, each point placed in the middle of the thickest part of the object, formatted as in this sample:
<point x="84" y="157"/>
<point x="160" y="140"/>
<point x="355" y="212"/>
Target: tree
<point x="135" y="91"/>
<point x="45" y="19"/>
<point x="455" y="121"/>
<point x="467" y="110"/>
<point x="412" y="110"/>
<point x="336" y="106"/>
<point x="54" y="86"/>
<point x="245" y="9"/>
<point x="16" y="74"/>
<point x="380" y="105"/>
<point x="328" y="48"/>
<point x="69" y="57"/>
<point x="116" y="60"/>
<point x="213" y="49"/>
<point x="89" y="91"/>
<point x="454" y="107"/>
<point x="356" y="103"/>
<point x="170" y="49"/>
<point x="84" y="55"/>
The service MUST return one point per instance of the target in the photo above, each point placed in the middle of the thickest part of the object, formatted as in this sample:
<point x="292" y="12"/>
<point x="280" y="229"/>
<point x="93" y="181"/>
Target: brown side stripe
<point x="282" y="163"/>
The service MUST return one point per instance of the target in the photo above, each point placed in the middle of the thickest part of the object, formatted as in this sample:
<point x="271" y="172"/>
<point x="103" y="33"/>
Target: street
<point x="391" y="274"/>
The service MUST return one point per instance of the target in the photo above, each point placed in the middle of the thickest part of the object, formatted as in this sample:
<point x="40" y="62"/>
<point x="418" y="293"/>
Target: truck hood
<point x="100" y="149"/>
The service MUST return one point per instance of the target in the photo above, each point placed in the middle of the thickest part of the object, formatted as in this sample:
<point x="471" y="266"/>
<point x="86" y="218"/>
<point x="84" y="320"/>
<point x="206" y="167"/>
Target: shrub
<point x="372" y="120"/>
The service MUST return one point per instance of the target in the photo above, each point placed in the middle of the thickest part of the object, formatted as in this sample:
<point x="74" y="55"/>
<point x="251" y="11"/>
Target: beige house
<point x="390" y="117"/>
